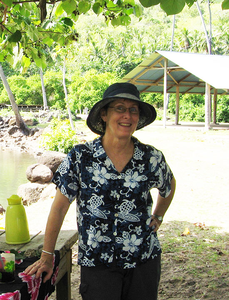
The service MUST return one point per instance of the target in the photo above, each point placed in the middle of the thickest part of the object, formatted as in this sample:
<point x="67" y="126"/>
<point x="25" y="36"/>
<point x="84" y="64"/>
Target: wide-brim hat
<point x="122" y="90"/>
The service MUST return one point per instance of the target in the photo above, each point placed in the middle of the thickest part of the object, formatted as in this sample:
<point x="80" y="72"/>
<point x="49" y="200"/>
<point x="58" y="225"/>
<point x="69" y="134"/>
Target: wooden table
<point x="65" y="241"/>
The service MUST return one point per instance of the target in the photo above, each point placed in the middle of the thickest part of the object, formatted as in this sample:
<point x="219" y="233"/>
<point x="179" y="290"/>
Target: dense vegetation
<point x="103" y="54"/>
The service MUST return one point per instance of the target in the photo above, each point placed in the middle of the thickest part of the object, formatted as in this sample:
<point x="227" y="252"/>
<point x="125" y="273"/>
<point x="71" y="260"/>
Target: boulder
<point x="30" y="192"/>
<point x="51" y="159"/>
<point x="48" y="192"/>
<point x="12" y="121"/>
<point x="39" y="173"/>
<point x="12" y="130"/>
<point x="29" y="122"/>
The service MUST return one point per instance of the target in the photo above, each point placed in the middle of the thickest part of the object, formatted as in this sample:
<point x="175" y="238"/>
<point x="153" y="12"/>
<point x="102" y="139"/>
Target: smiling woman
<point x="111" y="178"/>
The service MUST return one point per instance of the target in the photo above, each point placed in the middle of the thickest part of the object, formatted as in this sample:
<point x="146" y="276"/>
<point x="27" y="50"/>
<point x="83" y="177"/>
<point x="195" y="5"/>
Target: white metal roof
<point x="189" y="71"/>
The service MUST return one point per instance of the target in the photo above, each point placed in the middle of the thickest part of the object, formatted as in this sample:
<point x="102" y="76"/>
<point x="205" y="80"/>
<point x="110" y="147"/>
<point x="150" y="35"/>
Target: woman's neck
<point x="119" y="151"/>
<point x="117" y="146"/>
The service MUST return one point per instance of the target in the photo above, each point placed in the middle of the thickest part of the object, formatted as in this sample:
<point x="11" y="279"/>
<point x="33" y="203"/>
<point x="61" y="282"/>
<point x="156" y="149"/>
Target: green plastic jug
<point x="16" y="224"/>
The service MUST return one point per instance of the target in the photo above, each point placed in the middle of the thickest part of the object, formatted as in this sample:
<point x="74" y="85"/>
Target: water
<point x="13" y="167"/>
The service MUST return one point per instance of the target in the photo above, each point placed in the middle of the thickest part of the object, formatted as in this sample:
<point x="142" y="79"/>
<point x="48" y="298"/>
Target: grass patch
<point x="194" y="262"/>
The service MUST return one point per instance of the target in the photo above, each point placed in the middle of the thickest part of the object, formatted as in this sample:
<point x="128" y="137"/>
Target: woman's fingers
<point x="155" y="223"/>
<point x="40" y="267"/>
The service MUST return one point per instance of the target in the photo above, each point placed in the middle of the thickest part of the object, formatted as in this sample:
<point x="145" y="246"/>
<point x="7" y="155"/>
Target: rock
<point x="12" y="121"/>
<point x="29" y="122"/>
<point x="51" y="159"/>
<point x="12" y="130"/>
<point x="39" y="173"/>
<point x="48" y="192"/>
<point x="30" y="192"/>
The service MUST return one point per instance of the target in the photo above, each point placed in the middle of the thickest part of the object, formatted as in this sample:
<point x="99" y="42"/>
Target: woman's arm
<point x="162" y="205"/>
<point x="55" y="219"/>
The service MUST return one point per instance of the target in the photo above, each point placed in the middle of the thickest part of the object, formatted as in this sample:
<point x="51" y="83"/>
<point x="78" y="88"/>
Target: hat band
<point x="125" y="95"/>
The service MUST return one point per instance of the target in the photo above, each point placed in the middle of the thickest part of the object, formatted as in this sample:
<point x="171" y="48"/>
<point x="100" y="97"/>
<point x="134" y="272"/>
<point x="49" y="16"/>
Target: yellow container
<point x="16" y="224"/>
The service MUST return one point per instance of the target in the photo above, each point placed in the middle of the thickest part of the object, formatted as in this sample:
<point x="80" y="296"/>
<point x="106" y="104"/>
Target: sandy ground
<point x="199" y="161"/>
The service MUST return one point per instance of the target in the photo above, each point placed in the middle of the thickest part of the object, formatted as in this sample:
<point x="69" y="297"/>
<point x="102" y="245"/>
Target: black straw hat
<point x="122" y="90"/>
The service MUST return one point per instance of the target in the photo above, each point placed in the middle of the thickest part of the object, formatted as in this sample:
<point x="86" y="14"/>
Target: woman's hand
<point x="44" y="264"/>
<point x="155" y="223"/>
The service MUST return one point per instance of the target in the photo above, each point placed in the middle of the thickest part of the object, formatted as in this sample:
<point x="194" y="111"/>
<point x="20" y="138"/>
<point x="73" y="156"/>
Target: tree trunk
<point x="19" y="121"/>
<point x="66" y="98"/>
<point x="173" y="32"/>
<point x="43" y="90"/>
<point x="205" y="29"/>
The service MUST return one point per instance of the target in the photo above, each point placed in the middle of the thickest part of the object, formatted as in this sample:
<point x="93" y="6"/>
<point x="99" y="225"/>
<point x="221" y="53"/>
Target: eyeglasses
<point x="121" y="109"/>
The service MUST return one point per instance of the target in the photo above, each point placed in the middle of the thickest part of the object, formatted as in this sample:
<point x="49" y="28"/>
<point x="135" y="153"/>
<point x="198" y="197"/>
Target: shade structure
<point x="182" y="73"/>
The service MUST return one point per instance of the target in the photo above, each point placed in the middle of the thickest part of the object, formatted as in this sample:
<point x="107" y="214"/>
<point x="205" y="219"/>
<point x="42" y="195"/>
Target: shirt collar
<point x="98" y="150"/>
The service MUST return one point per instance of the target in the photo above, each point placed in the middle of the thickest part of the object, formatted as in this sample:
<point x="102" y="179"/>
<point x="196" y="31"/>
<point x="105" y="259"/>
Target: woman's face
<point x="121" y="118"/>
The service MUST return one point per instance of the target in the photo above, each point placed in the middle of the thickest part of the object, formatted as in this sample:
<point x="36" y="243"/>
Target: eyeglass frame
<point x="125" y="109"/>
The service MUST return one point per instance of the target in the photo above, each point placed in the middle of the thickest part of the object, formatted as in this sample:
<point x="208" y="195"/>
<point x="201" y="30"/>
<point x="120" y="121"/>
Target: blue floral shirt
<point x="114" y="209"/>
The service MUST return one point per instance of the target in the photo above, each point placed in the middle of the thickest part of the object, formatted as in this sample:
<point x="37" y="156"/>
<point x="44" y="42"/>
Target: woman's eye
<point x="133" y="110"/>
<point x="120" y="108"/>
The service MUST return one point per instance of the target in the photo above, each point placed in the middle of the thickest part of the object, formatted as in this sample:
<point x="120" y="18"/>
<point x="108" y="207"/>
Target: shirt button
<point x="116" y="215"/>
<point x="115" y="233"/>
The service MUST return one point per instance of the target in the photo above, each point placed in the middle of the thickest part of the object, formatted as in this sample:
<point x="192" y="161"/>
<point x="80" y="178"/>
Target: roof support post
<point x="214" y="106"/>
<point x="165" y="91"/>
<point x="207" y="105"/>
<point x="177" y="105"/>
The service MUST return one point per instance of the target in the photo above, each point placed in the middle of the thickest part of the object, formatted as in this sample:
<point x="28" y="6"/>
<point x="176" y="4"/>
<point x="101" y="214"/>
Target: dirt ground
<point x="199" y="161"/>
<point x="200" y="164"/>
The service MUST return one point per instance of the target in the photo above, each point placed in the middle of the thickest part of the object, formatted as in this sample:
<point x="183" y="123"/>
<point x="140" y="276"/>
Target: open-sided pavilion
<point x="180" y="73"/>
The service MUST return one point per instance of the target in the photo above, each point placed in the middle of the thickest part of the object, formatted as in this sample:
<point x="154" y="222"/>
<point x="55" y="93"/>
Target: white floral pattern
<point x="114" y="209"/>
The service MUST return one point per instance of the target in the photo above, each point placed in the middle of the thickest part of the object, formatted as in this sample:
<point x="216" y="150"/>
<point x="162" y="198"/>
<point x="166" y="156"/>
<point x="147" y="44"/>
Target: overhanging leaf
<point x="138" y="11"/>
<point x="172" y="7"/>
<point x="69" y="6"/>
<point x="111" y="4"/>
<point x="125" y="20"/>
<point x="48" y="41"/>
<point x="25" y="62"/>
<point x="67" y="21"/>
<point x="59" y="10"/>
<point x="190" y="2"/>
<point x="32" y="32"/>
<point x="84" y="6"/>
<point x="97" y="8"/>
<point x="131" y="2"/>
<point x="40" y="62"/>
<point x="225" y="4"/>
<point x="116" y="22"/>
<point x="148" y="3"/>
<point x="15" y="37"/>
<point x="8" y="2"/>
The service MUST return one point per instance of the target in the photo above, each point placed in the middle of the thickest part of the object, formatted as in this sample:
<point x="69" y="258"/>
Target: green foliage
<point x="35" y="94"/>
<point x="26" y="91"/>
<point x="61" y="138"/>
<point x="6" y="112"/>
<point x="104" y="53"/>
<point x="154" y="99"/>
<point x="54" y="89"/>
<point x="27" y="28"/>
<point x="222" y="109"/>
<point x="192" y="107"/>
<point x="85" y="91"/>
<point x="19" y="88"/>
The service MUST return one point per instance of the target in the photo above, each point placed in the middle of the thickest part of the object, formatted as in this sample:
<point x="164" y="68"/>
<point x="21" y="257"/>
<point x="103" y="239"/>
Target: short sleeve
<point x="160" y="172"/>
<point x="66" y="176"/>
